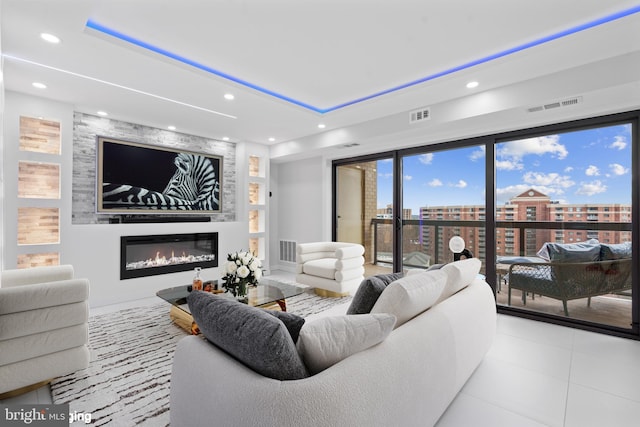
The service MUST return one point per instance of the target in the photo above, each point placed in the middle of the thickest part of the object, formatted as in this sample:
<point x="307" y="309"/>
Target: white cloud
<point x="592" y="171"/>
<point x="591" y="188"/>
<point x="568" y="169"/>
<point x="459" y="184"/>
<point x="478" y="154"/>
<point x="516" y="150"/>
<point x="385" y="175"/>
<point x="435" y="182"/>
<point x="507" y="193"/>
<point x="618" y="169"/>
<point x="426" y="158"/>
<point x="408" y="177"/>
<point x="508" y="165"/>
<point x="550" y="180"/>
<point x="619" y="143"/>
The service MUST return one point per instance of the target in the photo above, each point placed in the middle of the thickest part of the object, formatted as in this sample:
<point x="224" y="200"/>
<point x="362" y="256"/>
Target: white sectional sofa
<point x="408" y="379"/>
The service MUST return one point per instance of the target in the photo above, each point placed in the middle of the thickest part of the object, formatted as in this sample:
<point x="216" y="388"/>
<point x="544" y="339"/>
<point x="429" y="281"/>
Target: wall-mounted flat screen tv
<point x="140" y="178"/>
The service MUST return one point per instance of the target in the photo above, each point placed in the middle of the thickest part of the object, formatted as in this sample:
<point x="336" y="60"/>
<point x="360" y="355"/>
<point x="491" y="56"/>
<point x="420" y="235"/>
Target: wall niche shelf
<point x="38" y="192"/>
<point x="257" y="205"/>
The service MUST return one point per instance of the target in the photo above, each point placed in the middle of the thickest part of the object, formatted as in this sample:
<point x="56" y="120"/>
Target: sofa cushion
<point x="291" y="321"/>
<point x="411" y="295"/>
<point x="324" y="267"/>
<point x="460" y="274"/>
<point x="328" y="340"/>
<point x="369" y="291"/>
<point x="615" y="251"/>
<point x="255" y="338"/>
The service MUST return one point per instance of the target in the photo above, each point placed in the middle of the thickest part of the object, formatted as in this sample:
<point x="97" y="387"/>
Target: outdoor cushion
<point x="570" y="252"/>
<point x="615" y="251"/>
<point x="573" y="252"/>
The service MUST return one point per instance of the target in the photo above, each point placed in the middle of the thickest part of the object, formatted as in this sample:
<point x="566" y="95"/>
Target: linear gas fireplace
<point x="142" y="256"/>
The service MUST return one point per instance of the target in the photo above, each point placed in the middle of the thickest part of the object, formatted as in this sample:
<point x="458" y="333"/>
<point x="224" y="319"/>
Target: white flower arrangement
<point x="242" y="269"/>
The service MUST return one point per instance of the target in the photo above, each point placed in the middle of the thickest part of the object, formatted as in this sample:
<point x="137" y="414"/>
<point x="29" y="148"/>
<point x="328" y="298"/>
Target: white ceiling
<point x="322" y="53"/>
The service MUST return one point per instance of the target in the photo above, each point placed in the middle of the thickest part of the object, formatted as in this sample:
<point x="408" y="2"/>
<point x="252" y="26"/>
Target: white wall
<point x="301" y="203"/>
<point x="94" y="250"/>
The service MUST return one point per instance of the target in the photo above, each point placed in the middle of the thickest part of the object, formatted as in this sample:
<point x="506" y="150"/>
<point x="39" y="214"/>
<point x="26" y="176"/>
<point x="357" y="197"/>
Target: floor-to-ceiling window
<point x="509" y="196"/>
<point x="569" y="189"/>
<point x="443" y="195"/>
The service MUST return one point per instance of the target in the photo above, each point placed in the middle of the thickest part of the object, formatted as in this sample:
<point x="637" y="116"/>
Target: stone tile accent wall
<point x="87" y="127"/>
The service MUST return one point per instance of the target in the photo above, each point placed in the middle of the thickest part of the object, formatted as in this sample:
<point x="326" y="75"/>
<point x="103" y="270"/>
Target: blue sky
<point x="587" y="166"/>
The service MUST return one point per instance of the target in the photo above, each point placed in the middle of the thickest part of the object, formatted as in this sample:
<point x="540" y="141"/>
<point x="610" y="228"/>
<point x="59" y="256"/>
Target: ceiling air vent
<point x="420" y="115"/>
<point x="556" y="104"/>
<point x="352" y="144"/>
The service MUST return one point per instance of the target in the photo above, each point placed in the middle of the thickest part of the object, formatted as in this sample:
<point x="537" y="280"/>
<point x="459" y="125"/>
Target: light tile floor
<point x="536" y="374"/>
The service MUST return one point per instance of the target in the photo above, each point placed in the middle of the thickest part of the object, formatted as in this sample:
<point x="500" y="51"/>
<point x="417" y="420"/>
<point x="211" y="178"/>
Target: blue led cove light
<point x="597" y="22"/>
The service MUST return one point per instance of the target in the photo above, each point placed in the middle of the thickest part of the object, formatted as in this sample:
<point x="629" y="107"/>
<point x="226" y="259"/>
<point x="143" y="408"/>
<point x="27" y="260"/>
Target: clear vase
<point x="242" y="291"/>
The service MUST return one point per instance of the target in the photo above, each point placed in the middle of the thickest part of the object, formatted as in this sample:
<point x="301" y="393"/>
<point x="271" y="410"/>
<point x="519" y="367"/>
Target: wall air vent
<point x="556" y="104"/>
<point x="288" y="251"/>
<point x="419" y="115"/>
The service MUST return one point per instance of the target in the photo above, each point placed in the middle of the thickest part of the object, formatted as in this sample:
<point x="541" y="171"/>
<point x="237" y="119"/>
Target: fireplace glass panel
<point x="160" y="254"/>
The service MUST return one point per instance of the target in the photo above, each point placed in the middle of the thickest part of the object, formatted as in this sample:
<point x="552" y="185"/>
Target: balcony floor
<point x="613" y="310"/>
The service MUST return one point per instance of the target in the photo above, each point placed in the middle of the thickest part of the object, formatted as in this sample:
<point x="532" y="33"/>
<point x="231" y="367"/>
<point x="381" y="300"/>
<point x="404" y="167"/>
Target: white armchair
<point x="43" y="326"/>
<point x="332" y="268"/>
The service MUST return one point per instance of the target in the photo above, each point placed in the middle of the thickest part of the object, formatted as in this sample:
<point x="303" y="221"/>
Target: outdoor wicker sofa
<point x="567" y="281"/>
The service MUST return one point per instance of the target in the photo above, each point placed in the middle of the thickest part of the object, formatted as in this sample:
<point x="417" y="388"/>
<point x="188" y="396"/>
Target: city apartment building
<point x="511" y="240"/>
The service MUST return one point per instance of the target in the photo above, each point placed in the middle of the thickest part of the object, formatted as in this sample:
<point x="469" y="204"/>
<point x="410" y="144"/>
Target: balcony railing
<point x="524" y="230"/>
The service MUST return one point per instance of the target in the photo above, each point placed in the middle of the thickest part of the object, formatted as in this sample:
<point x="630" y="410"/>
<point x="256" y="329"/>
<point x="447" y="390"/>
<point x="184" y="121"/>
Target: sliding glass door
<point x="443" y="195"/>
<point x="564" y="200"/>
<point x="570" y="187"/>
<point x="364" y="210"/>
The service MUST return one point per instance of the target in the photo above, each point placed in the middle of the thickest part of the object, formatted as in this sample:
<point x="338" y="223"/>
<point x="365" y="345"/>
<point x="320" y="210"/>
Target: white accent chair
<point x="332" y="268"/>
<point x="44" y="334"/>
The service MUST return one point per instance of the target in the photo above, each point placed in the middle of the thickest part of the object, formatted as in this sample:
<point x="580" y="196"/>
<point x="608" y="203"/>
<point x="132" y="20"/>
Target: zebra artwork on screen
<point x="134" y="177"/>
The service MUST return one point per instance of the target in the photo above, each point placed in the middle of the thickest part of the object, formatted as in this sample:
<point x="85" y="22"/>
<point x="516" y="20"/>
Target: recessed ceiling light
<point x="272" y="139"/>
<point x="39" y="85"/>
<point x="102" y="113"/>
<point x="225" y="138"/>
<point x="171" y="127"/>
<point x="229" y="96"/>
<point x="50" y="38"/>
<point x="322" y="126"/>
<point x="471" y="85"/>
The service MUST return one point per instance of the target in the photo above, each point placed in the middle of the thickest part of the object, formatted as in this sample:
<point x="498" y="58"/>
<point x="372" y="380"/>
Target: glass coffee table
<point x="269" y="293"/>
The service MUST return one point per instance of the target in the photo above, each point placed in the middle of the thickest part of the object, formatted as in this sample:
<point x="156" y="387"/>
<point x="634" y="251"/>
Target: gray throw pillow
<point x="369" y="291"/>
<point x="258" y="340"/>
<point x="291" y="321"/>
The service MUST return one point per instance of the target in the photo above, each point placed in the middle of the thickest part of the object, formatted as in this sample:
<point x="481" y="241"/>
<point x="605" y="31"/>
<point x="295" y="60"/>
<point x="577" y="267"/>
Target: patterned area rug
<point x="127" y="381"/>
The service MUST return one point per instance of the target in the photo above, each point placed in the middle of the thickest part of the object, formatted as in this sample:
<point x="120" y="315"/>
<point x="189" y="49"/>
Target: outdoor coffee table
<point x="269" y="293"/>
